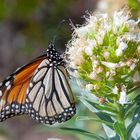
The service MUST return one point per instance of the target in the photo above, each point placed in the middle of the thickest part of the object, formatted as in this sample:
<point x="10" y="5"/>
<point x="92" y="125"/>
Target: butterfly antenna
<point x="55" y="36"/>
<point x="51" y="44"/>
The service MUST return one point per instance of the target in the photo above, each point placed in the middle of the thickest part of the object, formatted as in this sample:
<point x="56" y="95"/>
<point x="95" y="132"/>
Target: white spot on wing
<point x="18" y="69"/>
<point x="7" y="83"/>
<point x="31" y="85"/>
<point x="27" y="91"/>
<point x="7" y="107"/>
<point x="17" y="106"/>
<point x="8" y="87"/>
<point x="13" y="105"/>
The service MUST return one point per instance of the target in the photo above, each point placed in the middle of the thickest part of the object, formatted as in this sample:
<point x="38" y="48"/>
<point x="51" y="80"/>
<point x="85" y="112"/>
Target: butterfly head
<point x="54" y="57"/>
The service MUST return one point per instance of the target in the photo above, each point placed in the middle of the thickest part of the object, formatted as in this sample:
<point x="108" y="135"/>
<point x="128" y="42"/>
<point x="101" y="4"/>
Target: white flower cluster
<point x="111" y="46"/>
<point x="92" y="34"/>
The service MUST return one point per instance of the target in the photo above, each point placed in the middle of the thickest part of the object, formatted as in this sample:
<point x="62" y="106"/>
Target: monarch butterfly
<point x="39" y="89"/>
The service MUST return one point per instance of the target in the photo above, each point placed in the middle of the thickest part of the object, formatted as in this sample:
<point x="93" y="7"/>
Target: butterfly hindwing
<point x="53" y="103"/>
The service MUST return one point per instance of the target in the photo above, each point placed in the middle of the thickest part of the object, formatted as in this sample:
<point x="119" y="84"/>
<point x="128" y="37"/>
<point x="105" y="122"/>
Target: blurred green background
<point x="26" y="28"/>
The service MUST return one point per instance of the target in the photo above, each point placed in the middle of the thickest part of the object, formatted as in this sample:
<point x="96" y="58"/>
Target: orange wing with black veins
<point x="14" y="88"/>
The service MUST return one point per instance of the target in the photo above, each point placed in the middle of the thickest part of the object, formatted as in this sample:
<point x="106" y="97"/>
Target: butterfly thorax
<point x="54" y="57"/>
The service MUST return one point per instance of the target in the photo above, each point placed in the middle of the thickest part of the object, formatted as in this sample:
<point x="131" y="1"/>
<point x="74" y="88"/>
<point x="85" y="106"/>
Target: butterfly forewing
<point x="40" y="89"/>
<point x="13" y="90"/>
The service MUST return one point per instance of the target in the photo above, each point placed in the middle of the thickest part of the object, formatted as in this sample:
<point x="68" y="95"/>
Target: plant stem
<point x="122" y="132"/>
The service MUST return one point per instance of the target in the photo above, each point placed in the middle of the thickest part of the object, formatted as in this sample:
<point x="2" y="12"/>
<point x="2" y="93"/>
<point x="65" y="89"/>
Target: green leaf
<point x="87" y="64"/>
<point x="97" y="120"/>
<point x="104" y="116"/>
<point x="135" y="139"/>
<point x="109" y="132"/>
<point x="137" y="114"/>
<point x="91" y="97"/>
<point x="137" y="99"/>
<point x="96" y="107"/>
<point x="93" y="107"/>
<point x="107" y="108"/>
<point x="88" y="105"/>
<point x="83" y="132"/>
<point x="115" y="138"/>
<point x="136" y="132"/>
<point x="134" y="122"/>
<point x="133" y="89"/>
<point x="131" y="127"/>
<point x="130" y="109"/>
